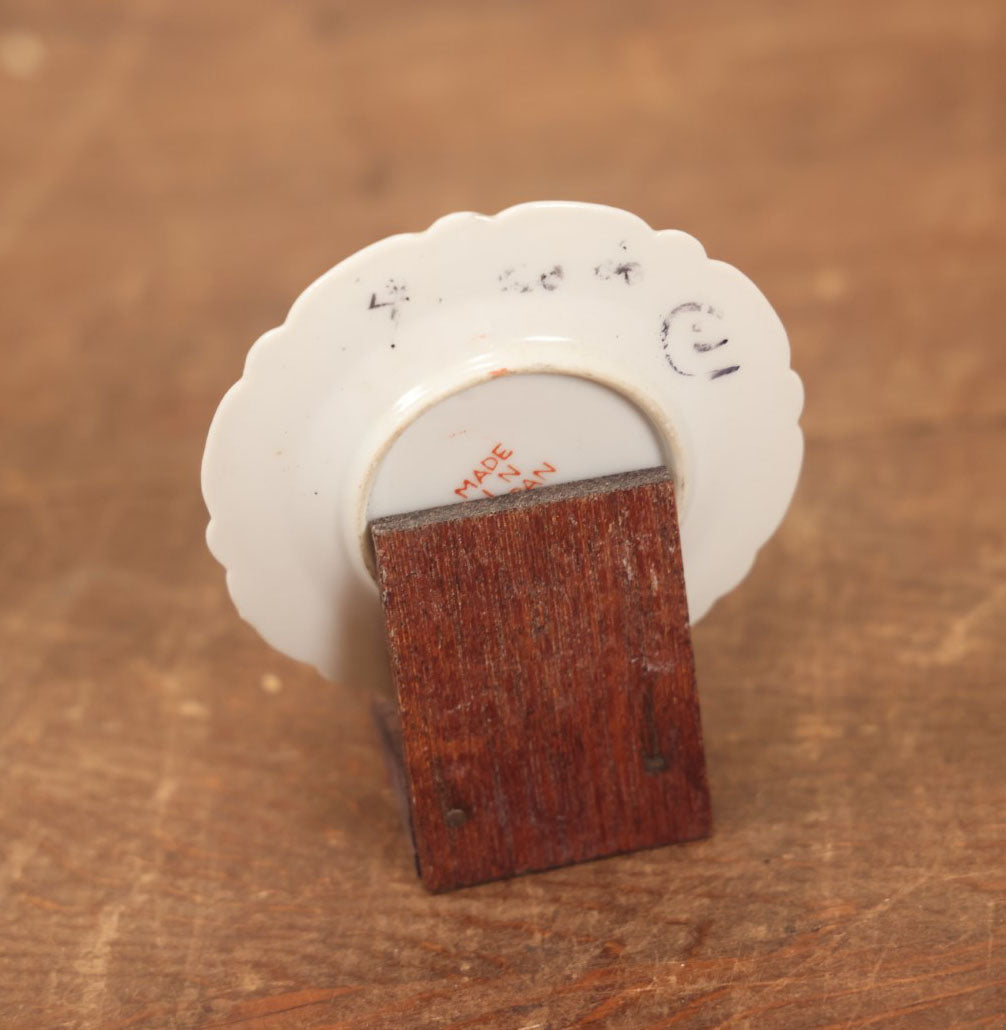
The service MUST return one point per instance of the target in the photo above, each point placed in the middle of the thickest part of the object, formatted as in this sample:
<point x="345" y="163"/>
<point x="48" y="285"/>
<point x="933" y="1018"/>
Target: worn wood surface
<point x="544" y="676"/>
<point x="196" y="832"/>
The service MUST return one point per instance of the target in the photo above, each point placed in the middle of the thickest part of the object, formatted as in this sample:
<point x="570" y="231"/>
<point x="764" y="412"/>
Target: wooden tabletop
<point x="196" y="832"/>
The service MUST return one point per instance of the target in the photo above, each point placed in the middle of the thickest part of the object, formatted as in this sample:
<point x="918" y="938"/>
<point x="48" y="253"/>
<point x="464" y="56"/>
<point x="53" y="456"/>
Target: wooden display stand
<point x="541" y="655"/>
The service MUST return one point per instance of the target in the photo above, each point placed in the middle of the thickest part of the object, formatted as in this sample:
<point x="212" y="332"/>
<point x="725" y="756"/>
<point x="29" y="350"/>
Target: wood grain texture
<point x="195" y="832"/>
<point x="544" y="675"/>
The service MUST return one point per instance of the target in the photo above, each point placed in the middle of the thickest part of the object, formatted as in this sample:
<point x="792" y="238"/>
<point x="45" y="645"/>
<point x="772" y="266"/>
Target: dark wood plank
<point x="543" y="666"/>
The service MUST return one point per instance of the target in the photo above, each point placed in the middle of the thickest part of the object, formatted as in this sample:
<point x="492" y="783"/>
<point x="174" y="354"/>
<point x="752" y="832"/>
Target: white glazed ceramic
<point x="554" y="341"/>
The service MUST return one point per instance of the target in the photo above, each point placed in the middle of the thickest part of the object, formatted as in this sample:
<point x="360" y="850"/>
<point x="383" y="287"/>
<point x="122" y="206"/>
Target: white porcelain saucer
<point x="552" y="342"/>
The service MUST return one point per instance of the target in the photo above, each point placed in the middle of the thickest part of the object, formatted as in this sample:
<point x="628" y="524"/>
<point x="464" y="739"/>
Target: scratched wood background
<point x="196" y="832"/>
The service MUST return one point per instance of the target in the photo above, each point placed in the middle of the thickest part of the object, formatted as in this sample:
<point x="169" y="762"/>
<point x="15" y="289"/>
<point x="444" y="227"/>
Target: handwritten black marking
<point x="630" y="272"/>
<point x="510" y="284"/>
<point x="680" y="371"/>
<point x="689" y="305"/>
<point x="665" y="328"/>
<point x="677" y="349"/>
<point x="512" y="280"/>
<point x="392" y="296"/>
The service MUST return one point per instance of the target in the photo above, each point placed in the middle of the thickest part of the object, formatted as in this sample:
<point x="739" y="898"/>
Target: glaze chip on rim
<point x="617" y="343"/>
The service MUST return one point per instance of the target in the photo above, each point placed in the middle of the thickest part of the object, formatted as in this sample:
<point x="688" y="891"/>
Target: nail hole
<point x="654" y="763"/>
<point x="455" y="817"/>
